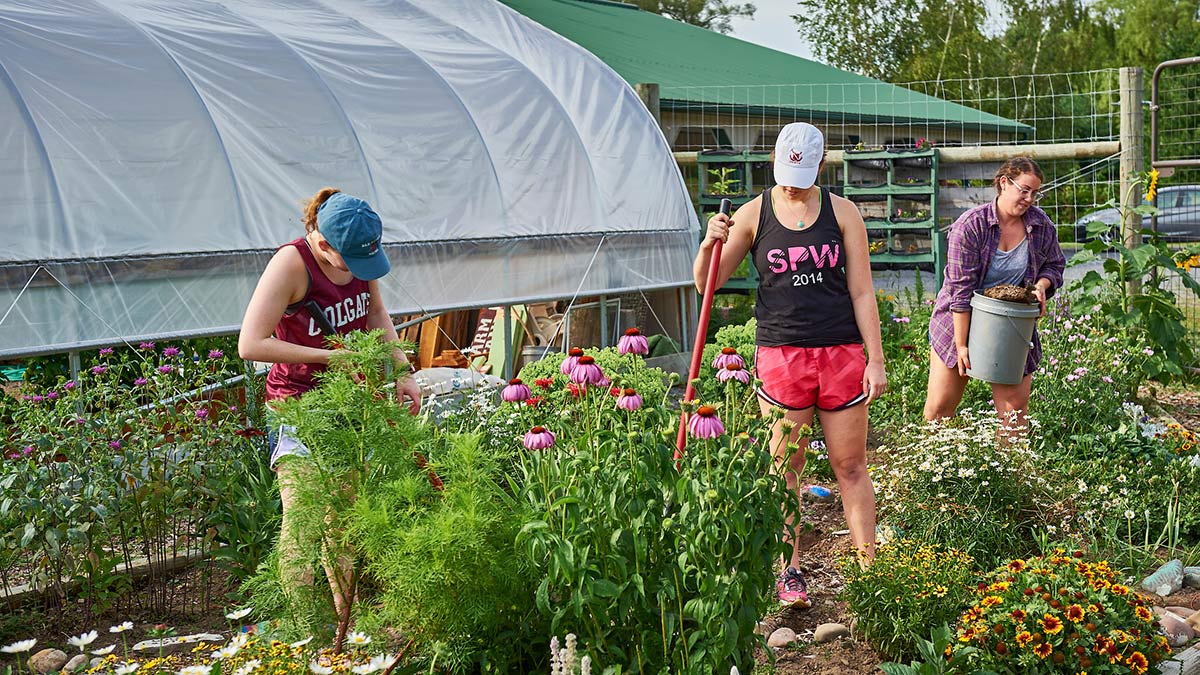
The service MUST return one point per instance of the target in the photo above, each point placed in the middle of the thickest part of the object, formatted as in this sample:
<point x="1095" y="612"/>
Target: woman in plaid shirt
<point x="1006" y="241"/>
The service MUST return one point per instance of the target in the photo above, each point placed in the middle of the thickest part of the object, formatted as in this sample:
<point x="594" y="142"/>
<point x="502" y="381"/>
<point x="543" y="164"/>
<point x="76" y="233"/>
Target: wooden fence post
<point x="1132" y="160"/>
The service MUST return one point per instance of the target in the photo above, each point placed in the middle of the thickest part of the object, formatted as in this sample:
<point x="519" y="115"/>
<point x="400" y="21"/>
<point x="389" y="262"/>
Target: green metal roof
<point x="695" y="67"/>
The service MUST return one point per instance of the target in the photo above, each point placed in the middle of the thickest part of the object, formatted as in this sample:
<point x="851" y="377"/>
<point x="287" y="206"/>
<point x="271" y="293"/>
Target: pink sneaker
<point x="791" y="589"/>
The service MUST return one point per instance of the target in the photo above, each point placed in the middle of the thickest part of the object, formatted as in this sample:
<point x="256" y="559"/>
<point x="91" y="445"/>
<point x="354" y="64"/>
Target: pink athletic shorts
<point x="797" y="378"/>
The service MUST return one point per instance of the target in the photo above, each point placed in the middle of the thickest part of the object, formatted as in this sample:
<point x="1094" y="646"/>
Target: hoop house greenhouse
<point x="156" y="154"/>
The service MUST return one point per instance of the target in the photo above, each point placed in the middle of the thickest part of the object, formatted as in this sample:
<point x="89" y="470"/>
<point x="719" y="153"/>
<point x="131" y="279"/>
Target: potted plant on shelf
<point x="723" y="183"/>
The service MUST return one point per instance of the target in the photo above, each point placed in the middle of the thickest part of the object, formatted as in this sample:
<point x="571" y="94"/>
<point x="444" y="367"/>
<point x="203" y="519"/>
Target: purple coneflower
<point x="140" y="381"/>
<point x="107" y="351"/>
<point x="629" y="400"/>
<point x="733" y="371"/>
<point x="728" y="355"/>
<point x="539" y="438"/>
<point x="705" y="423"/>
<point x="215" y="354"/>
<point x="569" y="363"/>
<point x="515" y="392"/>
<point x="99" y="370"/>
<point x="633" y="342"/>
<point x="171" y="351"/>
<point x="586" y="372"/>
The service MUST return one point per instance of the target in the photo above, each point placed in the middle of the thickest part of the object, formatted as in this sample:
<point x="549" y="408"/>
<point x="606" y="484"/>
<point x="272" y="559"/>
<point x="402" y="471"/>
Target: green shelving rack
<point x="899" y="176"/>
<point x="744" y="166"/>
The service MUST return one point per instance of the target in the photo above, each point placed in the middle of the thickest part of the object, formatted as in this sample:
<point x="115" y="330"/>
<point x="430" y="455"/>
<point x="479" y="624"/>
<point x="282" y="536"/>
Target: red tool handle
<point x="710" y="287"/>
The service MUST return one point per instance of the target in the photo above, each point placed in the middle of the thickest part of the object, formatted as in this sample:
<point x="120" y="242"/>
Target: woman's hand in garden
<point x="874" y="380"/>
<point x="407" y="387"/>
<point x="964" y="360"/>
<point x="718" y="230"/>
<point x="1039" y="292"/>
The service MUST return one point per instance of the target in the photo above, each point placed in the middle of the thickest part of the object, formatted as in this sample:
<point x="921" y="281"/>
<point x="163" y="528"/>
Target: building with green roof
<point x="719" y="92"/>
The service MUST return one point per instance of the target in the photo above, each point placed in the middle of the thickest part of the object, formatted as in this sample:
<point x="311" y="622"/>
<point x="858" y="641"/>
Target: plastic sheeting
<point x="155" y="152"/>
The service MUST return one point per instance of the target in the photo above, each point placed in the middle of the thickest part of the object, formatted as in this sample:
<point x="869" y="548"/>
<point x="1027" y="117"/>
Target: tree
<point x="711" y="14"/>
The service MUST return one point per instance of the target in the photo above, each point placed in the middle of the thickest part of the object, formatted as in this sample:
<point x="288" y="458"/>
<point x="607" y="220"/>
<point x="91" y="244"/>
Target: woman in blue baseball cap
<point x="321" y="284"/>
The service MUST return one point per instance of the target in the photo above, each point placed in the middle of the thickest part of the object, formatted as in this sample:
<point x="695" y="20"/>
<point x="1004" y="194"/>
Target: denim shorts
<point x="282" y="442"/>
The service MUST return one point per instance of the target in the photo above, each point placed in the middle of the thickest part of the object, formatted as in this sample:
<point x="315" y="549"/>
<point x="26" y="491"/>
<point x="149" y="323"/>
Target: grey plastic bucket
<point x="1000" y="338"/>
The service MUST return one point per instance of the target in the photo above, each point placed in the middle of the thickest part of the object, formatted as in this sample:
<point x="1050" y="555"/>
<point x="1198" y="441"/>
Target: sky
<point x="772" y="26"/>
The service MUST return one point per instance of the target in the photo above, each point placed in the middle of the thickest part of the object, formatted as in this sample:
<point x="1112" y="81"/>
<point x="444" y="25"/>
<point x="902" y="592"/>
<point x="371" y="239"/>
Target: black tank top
<point x="803" y="299"/>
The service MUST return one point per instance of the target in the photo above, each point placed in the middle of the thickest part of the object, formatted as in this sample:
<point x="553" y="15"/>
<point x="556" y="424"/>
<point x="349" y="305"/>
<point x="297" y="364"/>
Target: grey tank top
<point x="1008" y="267"/>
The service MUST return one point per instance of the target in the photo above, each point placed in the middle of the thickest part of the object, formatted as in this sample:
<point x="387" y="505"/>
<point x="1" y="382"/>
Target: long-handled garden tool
<point x="710" y="287"/>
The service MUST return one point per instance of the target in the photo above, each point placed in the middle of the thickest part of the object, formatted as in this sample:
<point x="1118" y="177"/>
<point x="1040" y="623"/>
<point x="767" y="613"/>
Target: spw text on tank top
<point x="342" y="313"/>
<point x="790" y="259"/>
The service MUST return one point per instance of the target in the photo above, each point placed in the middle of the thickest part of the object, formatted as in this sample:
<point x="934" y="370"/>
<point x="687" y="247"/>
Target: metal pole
<point x="648" y="92"/>
<point x="1132" y="161"/>
<point x="603" y="321"/>
<point x="508" y="343"/>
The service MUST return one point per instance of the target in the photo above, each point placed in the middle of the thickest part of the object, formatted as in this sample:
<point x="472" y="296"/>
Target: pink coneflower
<point x="107" y="351"/>
<point x="587" y="372"/>
<point x="140" y="381"/>
<point x="69" y="385"/>
<point x="733" y="371"/>
<point x="539" y="438"/>
<point x="171" y="351"/>
<point x="215" y="354"/>
<point x="544" y="382"/>
<point x="629" y="400"/>
<point x="705" y="423"/>
<point x="515" y="392"/>
<point x="728" y="355"/>
<point x="146" y="345"/>
<point x="165" y="369"/>
<point x="633" y="342"/>
<point x="568" y="364"/>
<point x="99" y="370"/>
<point x="202" y="414"/>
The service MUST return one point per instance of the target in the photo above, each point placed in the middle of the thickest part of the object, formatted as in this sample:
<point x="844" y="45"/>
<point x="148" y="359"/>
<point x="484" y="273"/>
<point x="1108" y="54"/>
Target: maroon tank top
<point x="346" y="307"/>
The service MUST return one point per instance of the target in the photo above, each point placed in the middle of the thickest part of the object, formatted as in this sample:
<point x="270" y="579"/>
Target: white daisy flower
<point x="358" y="639"/>
<point x="248" y="667"/>
<point x="319" y="669"/>
<point x="297" y="645"/>
<point x="1128" y="514"/>
<point x="121" y="628"/>
<point x="105" y="651"/>
<point x="239" y="614"/>
<point x="195" y="670"/>
<point x="127" y="668"/>
<point x="241" y="640"/>
<point x="84" y="640"/>
<point x="381" y="661"/>
<point x="19" y="646"/>
<point x="226" y="652"/>
<point x="363" y="669"/>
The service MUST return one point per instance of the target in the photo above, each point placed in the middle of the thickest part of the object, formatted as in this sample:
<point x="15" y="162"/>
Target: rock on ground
<point x="48" y="661"/>
<point x="781" y="637"/>
<point x="828" y="632"/>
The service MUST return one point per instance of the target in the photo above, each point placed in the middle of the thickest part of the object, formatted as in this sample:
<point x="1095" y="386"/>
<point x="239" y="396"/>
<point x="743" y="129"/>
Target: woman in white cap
<point x="816" y="310"/>
<point x="323" y="283"/>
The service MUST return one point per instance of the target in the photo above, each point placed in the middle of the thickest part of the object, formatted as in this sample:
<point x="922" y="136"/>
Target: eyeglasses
<point x="1032" y="195"/>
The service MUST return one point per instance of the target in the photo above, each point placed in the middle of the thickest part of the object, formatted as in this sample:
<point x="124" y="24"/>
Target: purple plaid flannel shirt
<point x="972" y="243"/>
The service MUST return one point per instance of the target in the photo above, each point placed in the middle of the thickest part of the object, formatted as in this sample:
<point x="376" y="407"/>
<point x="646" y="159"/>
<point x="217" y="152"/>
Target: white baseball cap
<point x="798" y="154"/>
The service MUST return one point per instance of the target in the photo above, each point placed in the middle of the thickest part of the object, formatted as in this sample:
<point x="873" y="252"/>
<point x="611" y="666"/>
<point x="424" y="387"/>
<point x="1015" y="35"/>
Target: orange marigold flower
<point x="1024" y="638"/>
<point x="1043" y="650"/>
<point x="1075" y="613"/>
<point x="1051" y="624"/>
<point x="1138" y="663"/>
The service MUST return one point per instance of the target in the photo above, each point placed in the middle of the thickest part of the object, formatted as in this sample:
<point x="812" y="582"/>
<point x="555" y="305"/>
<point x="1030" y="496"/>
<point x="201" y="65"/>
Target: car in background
<point x="1178" y="215"/>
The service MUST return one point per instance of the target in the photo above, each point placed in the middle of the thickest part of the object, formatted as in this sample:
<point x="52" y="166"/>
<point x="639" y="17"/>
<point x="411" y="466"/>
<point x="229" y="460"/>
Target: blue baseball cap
<point x="355" y="231"/>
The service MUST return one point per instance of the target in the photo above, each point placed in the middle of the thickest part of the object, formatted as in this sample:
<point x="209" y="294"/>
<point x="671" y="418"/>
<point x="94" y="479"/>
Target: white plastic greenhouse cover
<point x="154" y="153"/>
